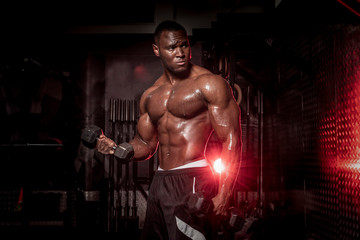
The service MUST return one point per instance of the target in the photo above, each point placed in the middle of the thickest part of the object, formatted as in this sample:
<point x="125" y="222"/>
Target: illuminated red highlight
<point x="140" y="70"/>
<point x="141" y="73"/>
<point x="218" y="166"/>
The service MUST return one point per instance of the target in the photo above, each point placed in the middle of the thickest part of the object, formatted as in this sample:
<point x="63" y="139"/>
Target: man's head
<point x="167" y="25"/>
<point x="172" y="47"/>
<point x="171" y="44"/>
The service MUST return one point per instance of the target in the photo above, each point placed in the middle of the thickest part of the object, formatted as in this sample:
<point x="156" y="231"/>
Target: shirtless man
<point x="178" y="114"/>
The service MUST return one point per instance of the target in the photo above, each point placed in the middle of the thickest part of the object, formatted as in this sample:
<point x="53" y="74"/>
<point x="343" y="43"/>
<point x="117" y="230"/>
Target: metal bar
<point x="32" y="145"/>
<point x="261" y="132"/>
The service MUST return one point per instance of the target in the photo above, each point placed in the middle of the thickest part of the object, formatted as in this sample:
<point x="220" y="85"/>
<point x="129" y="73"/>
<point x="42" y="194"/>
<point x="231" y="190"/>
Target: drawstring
<point x="194" y="185"/>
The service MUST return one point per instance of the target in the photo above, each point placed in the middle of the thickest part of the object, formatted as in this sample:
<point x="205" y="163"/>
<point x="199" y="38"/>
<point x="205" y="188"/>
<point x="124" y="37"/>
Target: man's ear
<point x="155" y="49"/>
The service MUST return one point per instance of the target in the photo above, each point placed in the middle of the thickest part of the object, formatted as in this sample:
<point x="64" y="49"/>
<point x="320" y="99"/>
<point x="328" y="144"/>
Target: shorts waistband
<point x="188" y="171"/>
<point x="198" y="163"/>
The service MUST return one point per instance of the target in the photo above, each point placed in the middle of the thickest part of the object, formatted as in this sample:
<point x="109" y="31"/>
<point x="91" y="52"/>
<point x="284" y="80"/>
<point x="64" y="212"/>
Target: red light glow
<point x="219" y="166"/>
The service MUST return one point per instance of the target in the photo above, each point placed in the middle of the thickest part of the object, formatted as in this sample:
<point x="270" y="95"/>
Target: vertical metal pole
<point x="127" y="164"/>
<point x="135" y="166"/>
<point x="261" y="132"/>
<point x="111" y="207"/>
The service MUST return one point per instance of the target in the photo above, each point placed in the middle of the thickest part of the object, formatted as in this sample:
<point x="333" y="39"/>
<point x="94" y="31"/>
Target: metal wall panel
<point x="312" y="133"/>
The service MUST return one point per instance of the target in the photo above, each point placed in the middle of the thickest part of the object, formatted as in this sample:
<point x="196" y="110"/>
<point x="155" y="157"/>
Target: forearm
<point x="231" y="158"/>
<point x="137" y="149"/>
<point x="232" y="163"/>
<point x="143" y="150"/>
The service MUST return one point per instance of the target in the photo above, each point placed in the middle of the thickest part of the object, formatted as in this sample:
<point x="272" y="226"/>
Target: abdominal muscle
<point x="182" y="141"/>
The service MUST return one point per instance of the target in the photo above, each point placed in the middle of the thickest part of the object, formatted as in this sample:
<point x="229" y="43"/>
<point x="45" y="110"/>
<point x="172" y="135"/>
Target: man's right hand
<point x="105" y="145"/>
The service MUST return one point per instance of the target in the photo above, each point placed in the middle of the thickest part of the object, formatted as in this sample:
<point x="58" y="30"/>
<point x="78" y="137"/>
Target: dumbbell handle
<point x="107" y="145"/>
<point x="123" y="151"/>
<point x="90" y="136"/>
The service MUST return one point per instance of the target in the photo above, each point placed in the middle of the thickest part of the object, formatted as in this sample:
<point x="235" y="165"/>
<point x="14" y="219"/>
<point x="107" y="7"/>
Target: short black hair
<point x="167" y="25"/>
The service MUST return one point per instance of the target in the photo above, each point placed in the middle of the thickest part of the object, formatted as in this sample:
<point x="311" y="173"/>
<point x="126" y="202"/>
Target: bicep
<point x="225" y="119"/>
<point x="224" y="112"/>
<point x="146" y="132"/>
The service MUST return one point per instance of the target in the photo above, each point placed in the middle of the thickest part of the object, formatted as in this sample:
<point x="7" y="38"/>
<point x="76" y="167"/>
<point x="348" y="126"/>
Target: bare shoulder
<point x="204" y="75"/>
<point x="213" y="85"/>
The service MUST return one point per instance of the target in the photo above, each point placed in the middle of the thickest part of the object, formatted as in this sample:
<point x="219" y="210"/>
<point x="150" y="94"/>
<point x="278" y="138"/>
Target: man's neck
<point x="175" y="77"/>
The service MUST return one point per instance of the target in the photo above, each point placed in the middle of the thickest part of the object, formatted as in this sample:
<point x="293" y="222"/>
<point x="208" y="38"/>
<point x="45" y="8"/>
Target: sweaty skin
<point x="179" y="113"/>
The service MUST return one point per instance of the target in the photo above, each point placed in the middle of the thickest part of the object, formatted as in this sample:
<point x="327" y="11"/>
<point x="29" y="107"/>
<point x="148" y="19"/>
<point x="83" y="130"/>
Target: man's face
<point x="174" y="51"/>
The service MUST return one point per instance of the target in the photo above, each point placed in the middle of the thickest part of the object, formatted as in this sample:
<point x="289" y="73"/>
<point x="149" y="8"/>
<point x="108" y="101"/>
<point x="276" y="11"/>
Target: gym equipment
<point x="91" y="134"/>
<point x="200" y="206"/>
<point x="235" y="219"/>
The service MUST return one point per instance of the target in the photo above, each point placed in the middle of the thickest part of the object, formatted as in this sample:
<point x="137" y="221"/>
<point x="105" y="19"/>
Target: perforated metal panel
<point x="312" y="133"/>
<point x="333" y="194"/>
<point x="347" y="67"/>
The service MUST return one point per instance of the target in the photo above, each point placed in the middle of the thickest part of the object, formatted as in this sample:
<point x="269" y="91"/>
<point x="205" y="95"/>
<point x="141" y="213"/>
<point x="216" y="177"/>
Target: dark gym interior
<point x="294" y="67"/>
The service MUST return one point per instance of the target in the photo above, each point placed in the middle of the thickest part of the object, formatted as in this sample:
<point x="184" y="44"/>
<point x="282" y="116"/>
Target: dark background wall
<point x="64" y="66"/>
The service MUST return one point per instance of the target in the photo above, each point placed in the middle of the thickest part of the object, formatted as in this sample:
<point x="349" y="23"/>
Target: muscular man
<point x="178" y="114"/>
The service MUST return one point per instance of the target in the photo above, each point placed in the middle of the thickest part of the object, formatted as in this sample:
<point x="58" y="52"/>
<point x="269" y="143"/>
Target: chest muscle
<point x="181" y="102"/>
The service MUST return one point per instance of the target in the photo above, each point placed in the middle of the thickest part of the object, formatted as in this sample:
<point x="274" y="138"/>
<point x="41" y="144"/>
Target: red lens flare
<point x="218" y="166"/>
